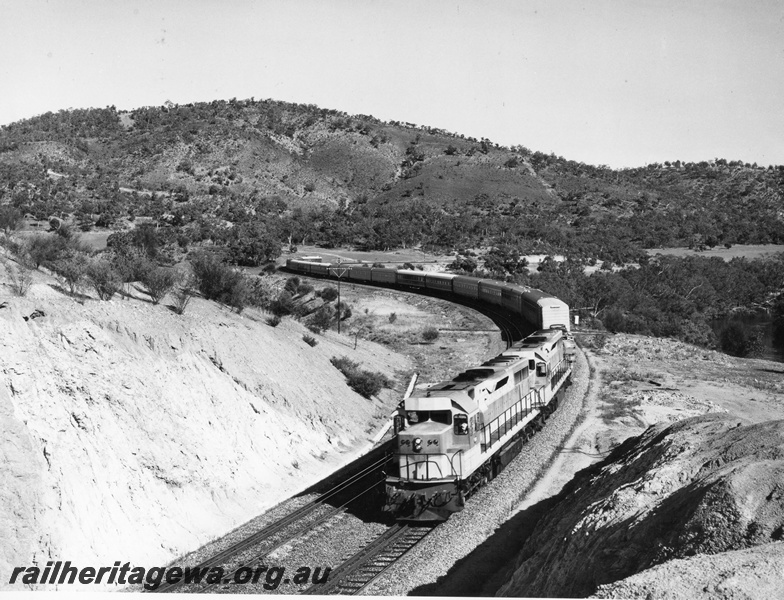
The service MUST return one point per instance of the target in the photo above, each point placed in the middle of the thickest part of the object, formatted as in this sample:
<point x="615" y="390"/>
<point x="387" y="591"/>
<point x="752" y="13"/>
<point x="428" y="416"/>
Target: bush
<point x="239" y="294"/>
<point x="11" y="219"/>
<point x="130" y="264"/>
<point x="329" y="293"/>
<point x="304" y="289"/>
<point x="217" y="281"/>
<point x="392" y="317"/>
<point x="322" y="319"/>
<point x="344" y="310"/>
<point x="182" y="297"/>
<point x="736" y="339"/>
<point x="273" y="321"/>
<point x="72" y="270"/>
<point x="430" y="334"/>
<point x="365" y="383"/>
<point x="614" y="320"/>
<point x="21" y="279"/>
<point x="292" y="284"/>
<point x="282" y="305"/>
<point x="46" y="249"/>
<point x="104" y="278"/>
<point x="268" y="269"/>
<point x="309" y="340"/>
<point x="159" y="281"/>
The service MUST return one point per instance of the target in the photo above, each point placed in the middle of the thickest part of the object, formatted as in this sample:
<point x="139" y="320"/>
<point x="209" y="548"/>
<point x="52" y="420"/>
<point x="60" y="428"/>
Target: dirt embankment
<point x="130" y="433"/>
<point x="703" y="486"/>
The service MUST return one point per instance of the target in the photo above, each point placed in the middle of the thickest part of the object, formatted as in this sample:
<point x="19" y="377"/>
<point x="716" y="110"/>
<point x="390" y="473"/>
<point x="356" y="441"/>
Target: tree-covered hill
<point x="284" y="170"/>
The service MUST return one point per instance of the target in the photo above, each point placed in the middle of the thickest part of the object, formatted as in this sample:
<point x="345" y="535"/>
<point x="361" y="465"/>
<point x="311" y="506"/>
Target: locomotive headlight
<point x="417" y="444"/>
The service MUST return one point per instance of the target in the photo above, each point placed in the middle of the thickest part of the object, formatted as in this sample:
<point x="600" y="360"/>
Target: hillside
<point x="705" y="487"/>
<point x="318" y="175"/>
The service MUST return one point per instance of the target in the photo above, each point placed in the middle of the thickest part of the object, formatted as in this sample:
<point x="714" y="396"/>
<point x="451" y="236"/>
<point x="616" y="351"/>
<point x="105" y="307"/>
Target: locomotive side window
<point x="399" y="423"/>
<point x="541" y="369"/>
<point x="521" y="375"/>
<point x="461" y="424"/>
<point x="501" y="383"/>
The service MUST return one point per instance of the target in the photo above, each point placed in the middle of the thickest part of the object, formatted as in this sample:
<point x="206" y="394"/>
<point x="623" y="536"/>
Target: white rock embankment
<point x="131" y="433"/>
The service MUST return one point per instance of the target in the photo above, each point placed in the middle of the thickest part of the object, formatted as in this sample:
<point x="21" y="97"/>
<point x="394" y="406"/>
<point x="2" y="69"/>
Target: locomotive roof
<point x="438" y="397"/>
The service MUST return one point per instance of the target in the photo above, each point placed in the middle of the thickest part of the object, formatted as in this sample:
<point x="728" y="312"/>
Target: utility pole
<point x="339" y="272"/>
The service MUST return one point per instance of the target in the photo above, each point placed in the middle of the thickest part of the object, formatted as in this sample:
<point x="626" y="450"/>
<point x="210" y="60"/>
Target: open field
<point x="737" y="251"/>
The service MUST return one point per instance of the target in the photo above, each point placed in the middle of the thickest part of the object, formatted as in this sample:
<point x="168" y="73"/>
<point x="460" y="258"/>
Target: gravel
<point x="454" y="540"/>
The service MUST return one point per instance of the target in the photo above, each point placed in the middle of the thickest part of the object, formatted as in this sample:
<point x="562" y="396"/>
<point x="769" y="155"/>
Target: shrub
<point x="430" y="334"/>
<point x="182" y="297"/>
<point x="309" y="340"/>
<point x="365" y="383"/>
<point x="282" y="305"/>
<point x="21" y="279"/>
<point x="392" y="317"/>
<point x="344" y="365"/>
<point x="46" y="249"/>
<point x="292" y="284"/>
<point x="304" y="289"/>
<point x="273" y="321"/>
<point x="130" y="264"/>
<point x="72" y="270"/>
<point x="329" y="293"/>
<point x="11" y="219"/>
<point x="344" y="310"/>
<point x="217" y="281"/>
<point x="239" y="293"/>
<point x="409" y="266"/>
<point x="104" y="278"/>
<point x="322" y="319"/>
<point x="269" y="269"/>
<point x="159" y="281"/>
<point x="736" y="339"/>
<point x="614" y="320"/>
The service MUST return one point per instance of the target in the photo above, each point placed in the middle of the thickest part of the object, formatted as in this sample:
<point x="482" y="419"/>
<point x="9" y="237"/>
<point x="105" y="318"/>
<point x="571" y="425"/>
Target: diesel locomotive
<point x="454" y="436"/>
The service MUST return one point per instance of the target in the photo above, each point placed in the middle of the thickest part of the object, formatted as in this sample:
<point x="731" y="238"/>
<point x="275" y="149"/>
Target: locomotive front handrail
<point x="426" y="459"/>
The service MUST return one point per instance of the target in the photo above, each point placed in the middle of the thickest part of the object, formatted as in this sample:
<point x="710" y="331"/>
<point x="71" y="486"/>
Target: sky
<point x="616" y="82"/>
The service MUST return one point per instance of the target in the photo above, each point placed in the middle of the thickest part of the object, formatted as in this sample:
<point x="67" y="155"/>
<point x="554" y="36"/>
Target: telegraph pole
<point x="339" y="272"/>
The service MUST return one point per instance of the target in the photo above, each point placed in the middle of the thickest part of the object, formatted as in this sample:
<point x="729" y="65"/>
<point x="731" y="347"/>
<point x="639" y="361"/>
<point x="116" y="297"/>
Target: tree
<point x="104" y="278"/>
<point x="159" y="281"/>
<point x="11" y="219"/>
<point x="72" y="269"/>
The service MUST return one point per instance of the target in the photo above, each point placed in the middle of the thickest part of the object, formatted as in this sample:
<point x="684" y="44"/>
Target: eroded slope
<point x="704" y="485"/>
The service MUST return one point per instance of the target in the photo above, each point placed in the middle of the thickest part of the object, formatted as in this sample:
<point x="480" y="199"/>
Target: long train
<point x="456" y="435"/>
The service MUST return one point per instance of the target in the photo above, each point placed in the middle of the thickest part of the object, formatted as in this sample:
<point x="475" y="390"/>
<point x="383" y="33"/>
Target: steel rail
<point x="281" y="524"/>
<point x="366" y="565"/>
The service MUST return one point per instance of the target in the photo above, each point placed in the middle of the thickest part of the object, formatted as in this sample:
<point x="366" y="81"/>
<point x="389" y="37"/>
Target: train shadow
<point x="489" y="565"/>
<point x="363" y="495"/>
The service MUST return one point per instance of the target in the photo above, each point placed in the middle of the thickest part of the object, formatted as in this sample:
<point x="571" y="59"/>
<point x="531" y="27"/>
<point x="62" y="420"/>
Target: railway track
<point x="290" y="526"/>
<point x="361" y="569"/>
<point x="512" y="328"/>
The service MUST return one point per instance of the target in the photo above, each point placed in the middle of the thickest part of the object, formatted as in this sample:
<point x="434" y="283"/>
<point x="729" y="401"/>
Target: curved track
<point x="511" y="326"/>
